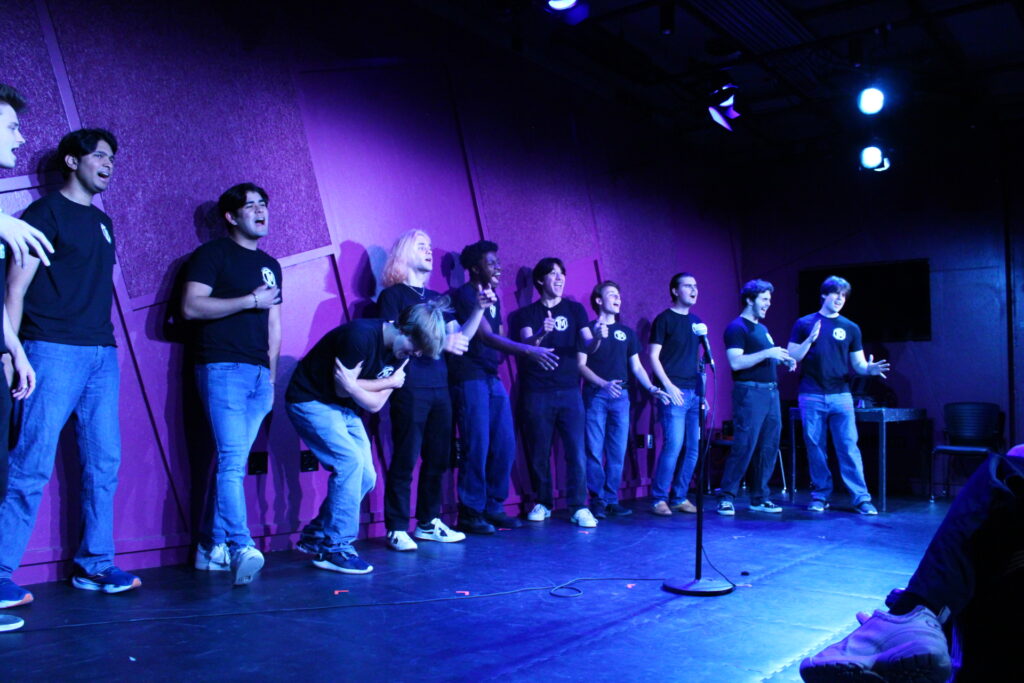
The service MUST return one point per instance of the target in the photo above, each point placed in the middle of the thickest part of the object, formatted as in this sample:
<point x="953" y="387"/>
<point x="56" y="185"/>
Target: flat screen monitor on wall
<point x="890" y="301"/>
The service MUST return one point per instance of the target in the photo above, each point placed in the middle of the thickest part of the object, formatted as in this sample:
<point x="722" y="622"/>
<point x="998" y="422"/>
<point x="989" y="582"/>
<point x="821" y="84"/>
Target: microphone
<point x="707" y="351"/>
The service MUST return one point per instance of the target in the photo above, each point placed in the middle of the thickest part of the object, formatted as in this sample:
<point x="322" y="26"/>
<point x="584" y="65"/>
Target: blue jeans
<point x="835" y="411"/>
<point x="338" y="439"/>
<point x="83" y="380"/>
<point x="607" y="432"/>
<point x="680" y="429"/>
<point x="485" y="427"/>
<point x="543" y="412"/>
<point x="758" y="423"/>
<point x="237" y="397"/>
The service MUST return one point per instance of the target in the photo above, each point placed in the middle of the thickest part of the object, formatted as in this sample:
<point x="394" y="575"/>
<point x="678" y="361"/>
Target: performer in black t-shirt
<point x="674" y="348"/>
<point x="421" y="409"/>
<point x="233" y="291"/>
<point x="481" y="400"/>
<point x="63" y="316"/>
<point x="829" y="344"/>
<point x="18" y="238"/>
<point x="756" y="415"/>
<point x="353" y="367"/>
<point x="550" y="398"/>
<point x="613" y="355"/>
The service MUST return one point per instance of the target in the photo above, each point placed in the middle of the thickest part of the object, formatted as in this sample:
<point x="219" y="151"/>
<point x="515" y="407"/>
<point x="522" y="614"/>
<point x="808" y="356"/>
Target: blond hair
<point x="396" y="269"/>
<point x="424" y="325"/>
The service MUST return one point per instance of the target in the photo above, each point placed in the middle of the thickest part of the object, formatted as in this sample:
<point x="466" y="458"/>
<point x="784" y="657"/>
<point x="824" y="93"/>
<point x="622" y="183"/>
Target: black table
<point x="879" y="416"/>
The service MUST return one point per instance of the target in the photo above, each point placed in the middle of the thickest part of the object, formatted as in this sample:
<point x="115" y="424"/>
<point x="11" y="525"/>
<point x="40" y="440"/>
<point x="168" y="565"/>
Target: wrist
<point x="255" y="300"/>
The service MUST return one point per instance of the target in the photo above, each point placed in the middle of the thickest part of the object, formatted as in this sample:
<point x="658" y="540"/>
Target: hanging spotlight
<point x="870" y="101"/>
<point x="722" y="108"/>
<point x="561" y="5"/>
<point x="667" y="16"/>
<point x="874" y="158"/>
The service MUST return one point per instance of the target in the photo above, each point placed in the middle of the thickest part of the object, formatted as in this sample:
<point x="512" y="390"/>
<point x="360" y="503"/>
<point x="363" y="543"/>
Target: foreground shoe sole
<point x="211" y="567"/>
<point x="919" y="668"/>
<point x="85" y="584"/>
<point x="247" y="569"/>
<point x="10" y="623"/>
<point x="773" y="511"/>
<point x="331" y="567"/>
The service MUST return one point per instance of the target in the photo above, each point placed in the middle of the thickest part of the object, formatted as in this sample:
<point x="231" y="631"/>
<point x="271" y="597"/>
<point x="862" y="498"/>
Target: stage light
<point x="722" y="108"/>
<point x="873" y="158"/>
<point x="561" y="5"/>
<point x="870" y="101"/>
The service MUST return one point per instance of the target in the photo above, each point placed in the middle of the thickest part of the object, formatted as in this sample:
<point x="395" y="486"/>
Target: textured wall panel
<point x="25" y="64"/>
<point x="195" y="112"/>
<point x="388" y="158"/>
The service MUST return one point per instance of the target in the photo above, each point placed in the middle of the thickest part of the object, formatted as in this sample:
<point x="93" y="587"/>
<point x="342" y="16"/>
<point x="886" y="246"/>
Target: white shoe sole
<point x="10" y="623"/>
<point x="247" y="569"/>
<point x="331" y="567"/>
<point x="453" y="537"/>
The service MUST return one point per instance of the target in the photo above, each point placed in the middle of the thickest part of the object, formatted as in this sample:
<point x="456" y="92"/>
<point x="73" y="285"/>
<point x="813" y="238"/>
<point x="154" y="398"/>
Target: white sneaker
<point x="246" y="564"/>
<point x="439" y="531"/>
<point x="216" y="559"/>
<point x="399" y="540"/>
<point x="584" y="518"/>
<point x="539" y="513"/>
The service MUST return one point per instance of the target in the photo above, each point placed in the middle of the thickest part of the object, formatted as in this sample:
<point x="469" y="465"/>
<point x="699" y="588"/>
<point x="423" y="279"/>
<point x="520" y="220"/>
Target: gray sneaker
<point x="886" y="647"/>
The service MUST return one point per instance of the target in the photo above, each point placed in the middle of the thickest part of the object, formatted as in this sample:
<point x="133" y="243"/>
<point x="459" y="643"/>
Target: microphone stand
<point x="700" y="586"/>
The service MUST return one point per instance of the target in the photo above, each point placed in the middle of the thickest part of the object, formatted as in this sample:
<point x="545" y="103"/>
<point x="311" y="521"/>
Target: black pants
<point x="5" y="432"/>
<point x="421" y="422"/>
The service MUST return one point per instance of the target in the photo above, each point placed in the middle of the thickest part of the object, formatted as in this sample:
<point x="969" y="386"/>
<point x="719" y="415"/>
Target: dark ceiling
<point x="798" y="63"/>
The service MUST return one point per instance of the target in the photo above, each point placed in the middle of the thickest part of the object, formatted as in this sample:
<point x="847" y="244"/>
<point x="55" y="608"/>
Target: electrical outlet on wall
<point x="258" y="462"/>
<point x="308" y="461"/>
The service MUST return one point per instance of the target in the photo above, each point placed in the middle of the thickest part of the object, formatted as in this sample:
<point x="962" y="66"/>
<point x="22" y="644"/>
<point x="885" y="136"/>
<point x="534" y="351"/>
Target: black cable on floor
<point x="563" y="590"/>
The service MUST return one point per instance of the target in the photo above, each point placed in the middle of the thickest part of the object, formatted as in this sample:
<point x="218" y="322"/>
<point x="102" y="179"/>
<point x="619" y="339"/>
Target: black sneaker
<point x="616" y="510"/>
<point x="599" y="510"/>
<point x="473" y="524"/>
<point x="503" y="521"/>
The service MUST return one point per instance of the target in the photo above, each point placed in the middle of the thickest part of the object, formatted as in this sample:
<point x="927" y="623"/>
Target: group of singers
<point x="434" y="358"/>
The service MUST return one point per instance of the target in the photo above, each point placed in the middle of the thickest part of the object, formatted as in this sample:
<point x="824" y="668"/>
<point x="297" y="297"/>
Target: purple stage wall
<point x="360" y="128"/>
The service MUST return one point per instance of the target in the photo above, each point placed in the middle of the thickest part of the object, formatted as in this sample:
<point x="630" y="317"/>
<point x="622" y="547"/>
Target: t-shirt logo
<point x="620" y="335"/>
<point x="839" y="334"/>
<point x="268" y="277"/>
<point x="561" y="323"/>
<point x="493" y="310"/>
<point x="385" y="372"/>
<point x="106" y="233"/>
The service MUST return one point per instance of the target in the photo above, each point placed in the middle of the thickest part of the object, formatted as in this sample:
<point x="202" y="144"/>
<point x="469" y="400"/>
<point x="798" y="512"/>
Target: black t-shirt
<point x="570" y="318"/>
<point x="679" y="346"/>
<point x="69" y="302"/>
<point x="359" y="340"/>
<point x="3" y="284"/>
<point x="611" y="360"/>
<point x="424" y="371"/>
<point x="480" y="361"/>
<point x="826" y="367"/>
<point x="233" y="271"/>
<point x="750" y="338"/>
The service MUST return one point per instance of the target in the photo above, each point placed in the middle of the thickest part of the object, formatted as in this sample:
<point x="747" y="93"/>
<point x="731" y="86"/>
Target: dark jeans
<point x="485" y="427"/>
<point x="758" y="425"/>
<point x="5" y="431"/>
<point x="961" y="551"/>
<point x="421" y="423"/>
<point x="543" y="412"/>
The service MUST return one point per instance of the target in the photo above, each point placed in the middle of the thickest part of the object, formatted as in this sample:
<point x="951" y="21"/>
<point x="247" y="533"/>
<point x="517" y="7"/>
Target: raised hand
<point x="485" y="297"/>
<point x="549" y="323"/>
<point x="398" y="376"/>
<point x="23" y="239"/>
<point x="877" y="367"/>
<point x="266" y="296"/>
<point x="815" y="331"/>
<point x="602" y="330"/>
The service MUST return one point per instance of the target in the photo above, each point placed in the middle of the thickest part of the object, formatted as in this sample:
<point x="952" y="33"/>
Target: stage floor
<point x="482" y="610"/>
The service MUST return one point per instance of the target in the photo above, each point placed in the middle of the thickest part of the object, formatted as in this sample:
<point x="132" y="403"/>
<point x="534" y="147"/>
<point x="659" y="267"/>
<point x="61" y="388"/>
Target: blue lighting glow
<point x="561" y="5"/>
<point x="871" y="157"/>
<point x="870" y="101"/>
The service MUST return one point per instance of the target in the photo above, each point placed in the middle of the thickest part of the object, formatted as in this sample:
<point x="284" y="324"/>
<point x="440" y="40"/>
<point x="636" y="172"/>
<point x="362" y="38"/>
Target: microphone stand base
<point x="698" y="587"/>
